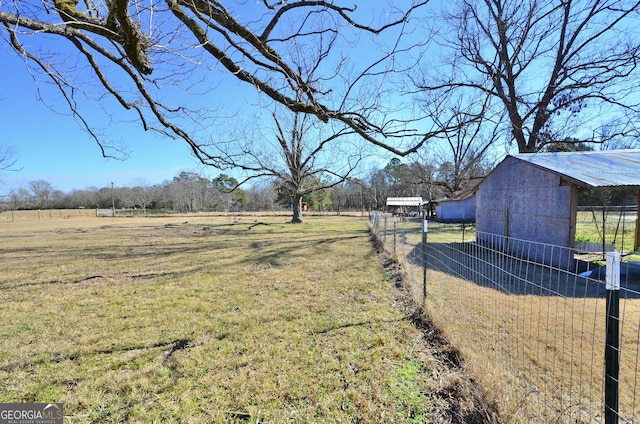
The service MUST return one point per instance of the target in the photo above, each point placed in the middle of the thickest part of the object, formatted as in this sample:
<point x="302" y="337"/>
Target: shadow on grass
<point x="279" y="252"/>
<point x="173" y="346"/>
<point x="227" y="239"/>
<point x="357" y="324"/>
<point x="510" y="274"/>
<point x="97" y="279"/>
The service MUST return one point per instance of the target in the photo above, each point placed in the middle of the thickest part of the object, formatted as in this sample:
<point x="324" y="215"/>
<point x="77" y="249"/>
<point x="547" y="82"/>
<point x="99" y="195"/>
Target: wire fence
<point x="606" y="228"/>
<point x="43" y="214"/>
<point x="548" y="334"/>
<point x="12" y="216"/>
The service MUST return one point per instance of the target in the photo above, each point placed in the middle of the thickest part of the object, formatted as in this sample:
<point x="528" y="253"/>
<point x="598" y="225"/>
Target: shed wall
<point x="521" y="201"/>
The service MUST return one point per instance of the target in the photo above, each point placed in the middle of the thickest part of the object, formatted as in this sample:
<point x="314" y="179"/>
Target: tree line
<point x="191" y="192"/>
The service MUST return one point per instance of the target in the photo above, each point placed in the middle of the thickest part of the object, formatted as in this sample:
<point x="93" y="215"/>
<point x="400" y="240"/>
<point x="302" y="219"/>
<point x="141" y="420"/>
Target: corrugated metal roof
<point x="404" y="201"/>
<point x="607" y="168"/>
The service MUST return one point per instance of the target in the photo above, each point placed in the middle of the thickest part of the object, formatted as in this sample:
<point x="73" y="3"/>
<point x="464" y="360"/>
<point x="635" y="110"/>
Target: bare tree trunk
<point x="296" y="205"/>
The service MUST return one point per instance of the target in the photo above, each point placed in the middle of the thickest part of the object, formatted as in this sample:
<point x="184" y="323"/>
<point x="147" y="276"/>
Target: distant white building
<point x="403" y="205"/>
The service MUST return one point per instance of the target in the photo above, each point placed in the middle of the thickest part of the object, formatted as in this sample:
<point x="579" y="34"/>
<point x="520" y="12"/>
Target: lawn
<point x="209" y="319"/>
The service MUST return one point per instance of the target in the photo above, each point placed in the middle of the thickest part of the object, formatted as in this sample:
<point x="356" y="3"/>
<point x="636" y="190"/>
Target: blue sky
<point x="52" y="147"/>
<point x="49" y="145"/>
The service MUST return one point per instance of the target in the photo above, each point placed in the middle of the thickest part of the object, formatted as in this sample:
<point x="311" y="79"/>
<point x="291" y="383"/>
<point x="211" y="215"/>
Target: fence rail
<point x="537" y="322"/>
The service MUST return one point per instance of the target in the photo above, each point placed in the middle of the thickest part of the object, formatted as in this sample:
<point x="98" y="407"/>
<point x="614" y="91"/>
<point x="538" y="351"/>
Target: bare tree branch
<point x="8" y="159"/>
<point x="133" y="48"/>
<point x="557" y="69"/>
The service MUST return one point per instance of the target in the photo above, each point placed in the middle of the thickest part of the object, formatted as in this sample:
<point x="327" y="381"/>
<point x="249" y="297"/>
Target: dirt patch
<point x="460" y="399"/>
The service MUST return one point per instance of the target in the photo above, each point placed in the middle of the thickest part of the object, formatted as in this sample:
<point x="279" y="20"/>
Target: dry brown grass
<point x="209" y="319"/>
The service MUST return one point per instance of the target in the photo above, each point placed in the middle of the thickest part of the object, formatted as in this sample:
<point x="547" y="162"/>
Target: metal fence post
<point x="612" y="349"/>
<point x="424" y="259"/>
<point x="395" y="219"/>
<point x="384" y="238"/>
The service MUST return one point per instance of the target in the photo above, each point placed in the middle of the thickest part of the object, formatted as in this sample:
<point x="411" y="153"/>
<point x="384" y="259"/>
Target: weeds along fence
<point x="550" y="337"/>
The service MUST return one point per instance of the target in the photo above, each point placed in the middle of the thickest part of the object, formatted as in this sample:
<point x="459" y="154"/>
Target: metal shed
<point x="401" y="204"/>
<point x="534" y="196"/>
<point x="459" y="207"/>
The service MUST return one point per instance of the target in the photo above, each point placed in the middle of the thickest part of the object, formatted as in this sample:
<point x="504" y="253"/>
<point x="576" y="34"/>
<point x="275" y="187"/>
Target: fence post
<point x="395" y="219"/>
<point x="636" y="242"/>
<point x="612" y="348"/>
<point x="604" y="224"/>
<point x="384" y="238"/>
<point x="424" y="259"/>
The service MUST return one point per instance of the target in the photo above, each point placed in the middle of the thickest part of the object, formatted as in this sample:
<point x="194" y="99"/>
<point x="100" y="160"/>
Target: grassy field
<point x="209" y="319"/>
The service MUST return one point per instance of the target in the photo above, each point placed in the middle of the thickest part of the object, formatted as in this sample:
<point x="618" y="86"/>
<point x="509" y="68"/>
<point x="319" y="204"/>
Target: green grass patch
<point x="619" y="229"/>
<point x="406" y="385"/>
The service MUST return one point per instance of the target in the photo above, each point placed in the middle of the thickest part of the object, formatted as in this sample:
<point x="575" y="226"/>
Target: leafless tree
<point x="461" y="156"/>
<point x="300" y="153"/>
<point x="260" y="196"/>
<point x="8" y="159"/>
<point x="20" y="198"/>
<point x="189" y="192"/>
<point x="42" y="193"/>
<point x="140" y="195"/>
<point x="558" y="69"/>
<point x="131" y="51"/>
